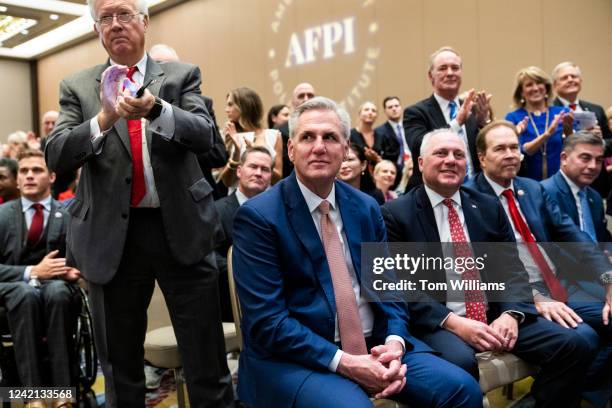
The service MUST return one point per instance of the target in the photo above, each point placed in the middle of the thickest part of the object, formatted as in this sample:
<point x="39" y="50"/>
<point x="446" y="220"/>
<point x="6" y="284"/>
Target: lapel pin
<point x="520" y="192"/>
<point x="58" y="214"/>
<point x="474" y="206"/>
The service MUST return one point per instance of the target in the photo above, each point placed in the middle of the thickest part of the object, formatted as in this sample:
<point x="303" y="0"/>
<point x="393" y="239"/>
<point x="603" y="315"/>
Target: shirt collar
<point x="444" y="103"/>
<point x="575" y="189"/>
<point x="435" y="199"/>
<point x="142" y="64"/>
<point x="498" y="188"/>
<point x="313" y="201"/>
<point x="26" y="204"/>
<point x="566" y="103"/>
<point x="240" y="197"/>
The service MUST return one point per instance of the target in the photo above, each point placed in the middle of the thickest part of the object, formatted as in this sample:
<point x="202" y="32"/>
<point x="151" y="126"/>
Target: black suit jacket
<point x="13" y="237"/>
<point x="410" y="218"/>
<point x="216" y="157"/>
<point x="226" y="208"/>
<point x="423" y="117"/>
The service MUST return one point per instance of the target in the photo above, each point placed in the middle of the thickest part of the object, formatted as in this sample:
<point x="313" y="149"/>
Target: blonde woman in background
<point x="384" y="177"/>
<point x="243" y="129"/>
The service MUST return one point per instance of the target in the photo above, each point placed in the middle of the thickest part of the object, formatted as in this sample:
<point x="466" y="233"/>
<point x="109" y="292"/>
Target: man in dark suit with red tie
<point x="443" y="211"/>
<point x="33" y="250"/>
<point x="565" y="279"/>
<point x="143" y="210"/>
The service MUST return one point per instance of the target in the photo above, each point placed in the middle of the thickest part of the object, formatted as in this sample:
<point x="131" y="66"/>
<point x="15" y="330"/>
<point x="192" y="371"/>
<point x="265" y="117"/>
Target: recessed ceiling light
<point x="53" y="17"/>
<point x="3" y="9"/>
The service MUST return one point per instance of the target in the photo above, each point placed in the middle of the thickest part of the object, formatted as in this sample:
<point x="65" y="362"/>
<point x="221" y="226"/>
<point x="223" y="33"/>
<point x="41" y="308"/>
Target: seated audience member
<point x="217" y="155"/>
<point x="443" y="211"/>
<point x="535" y="217"/>
<point x="243" y="129"/>
<point x="406" y="174"/>
<point x="581" y="160"/>
<point x="541" y="127"/>
<point x="278" y="115"/>
<point x="393" y="131"/>
<point x="48" y="124"/>
<point x="384" y="177"/>
<point x="445" y="109"/>
<point x="35" y="283"/>
<point x="301" y="93"/>
<point x="354" y="172"/>
<point x="567" y="83"/>
<point x="16" y="142"/>
<point x="8" y="180"/>
<point x="254" y="175"/>
<point x="297" y="263"/>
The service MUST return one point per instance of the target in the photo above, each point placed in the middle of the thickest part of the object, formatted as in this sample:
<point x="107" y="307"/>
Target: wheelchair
<point x="83" y="359"/>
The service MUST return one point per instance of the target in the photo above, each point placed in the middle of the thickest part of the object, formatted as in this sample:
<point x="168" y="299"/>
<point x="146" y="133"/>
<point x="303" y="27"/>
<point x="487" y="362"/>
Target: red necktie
<point x="557" y="291"/>
<point x="349" y="322"/>
<point x="36" y="227"/>
<point x="135" y="130"/>
<point x="572" y="106"/>
<point x="474" y="299"/>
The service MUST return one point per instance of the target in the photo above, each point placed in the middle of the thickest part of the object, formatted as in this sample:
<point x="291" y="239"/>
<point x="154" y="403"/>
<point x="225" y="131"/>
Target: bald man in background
<point x="301" y="93"/>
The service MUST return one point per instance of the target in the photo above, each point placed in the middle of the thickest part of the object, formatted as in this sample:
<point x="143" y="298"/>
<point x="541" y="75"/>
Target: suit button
<point x="124" y="216"/>
<point x="128" y="180"/>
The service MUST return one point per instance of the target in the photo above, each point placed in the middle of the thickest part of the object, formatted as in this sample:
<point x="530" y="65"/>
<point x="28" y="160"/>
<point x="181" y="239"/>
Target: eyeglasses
<point x="122" y="18"/>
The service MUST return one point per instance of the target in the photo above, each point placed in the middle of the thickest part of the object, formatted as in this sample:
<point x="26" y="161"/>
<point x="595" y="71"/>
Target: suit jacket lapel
<point x="305" y="230"/>
<point x="349" y="212"/>
<point x="19" y="226"/>
<point x="156" y="74"/>
<point x="436" y="113"/>
<point x="54" y="224"/>
<point x="531" y="214"/>
<point x="425" y="215"/>
<point x="472" y="217"/>
<point x="565" y="189"/>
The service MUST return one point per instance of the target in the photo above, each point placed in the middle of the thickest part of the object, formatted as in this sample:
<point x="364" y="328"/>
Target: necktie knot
<point x="581" y="193"/>
<point x="448" y="202"/>
<point x="508" y="194"/>
<point x="572" y="106"/>
<point x="324" y="207"/>
<point x="452" y="108"/>
<point x="37" y="206"/>
<point x="130" y="72"/>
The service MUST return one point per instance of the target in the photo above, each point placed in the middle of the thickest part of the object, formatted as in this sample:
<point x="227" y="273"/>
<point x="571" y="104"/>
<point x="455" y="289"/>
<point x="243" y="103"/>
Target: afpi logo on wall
<point x="337" y="50"/>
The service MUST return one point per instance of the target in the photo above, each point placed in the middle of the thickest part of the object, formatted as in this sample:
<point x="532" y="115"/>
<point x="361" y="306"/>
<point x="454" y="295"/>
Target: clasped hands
<point x="380" y="373"/>
<point x="118" y="102"/>
<point x="500" y="335"/>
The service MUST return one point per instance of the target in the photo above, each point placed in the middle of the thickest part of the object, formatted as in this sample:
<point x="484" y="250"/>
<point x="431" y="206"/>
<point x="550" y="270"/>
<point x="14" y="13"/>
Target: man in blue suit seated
<point x="565" y="279"/>
<point x="581" y="161"/>
<point x="442" y="210"/>
<point x="306" y="325"/>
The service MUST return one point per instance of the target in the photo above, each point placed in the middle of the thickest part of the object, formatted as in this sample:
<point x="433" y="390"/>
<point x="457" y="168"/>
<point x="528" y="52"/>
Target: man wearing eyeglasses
<point x="143" y="211"/>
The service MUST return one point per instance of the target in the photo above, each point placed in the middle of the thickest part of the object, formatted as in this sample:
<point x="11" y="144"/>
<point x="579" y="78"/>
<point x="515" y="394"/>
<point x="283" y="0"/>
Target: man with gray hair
<point x="306" y="322"/>
<point x="143" y="211"/>
<point x="581" y="161"/>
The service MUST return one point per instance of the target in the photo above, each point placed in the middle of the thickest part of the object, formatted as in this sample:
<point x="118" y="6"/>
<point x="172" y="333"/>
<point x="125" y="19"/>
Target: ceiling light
<point x="53" y="17"/>
<point x="3" y="9"/>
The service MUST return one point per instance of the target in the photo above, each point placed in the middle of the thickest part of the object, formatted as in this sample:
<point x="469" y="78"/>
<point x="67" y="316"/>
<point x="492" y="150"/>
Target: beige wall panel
<point x="15" y="101"/>
<point x="232" y="41"/>
<point x="510" y="38"/>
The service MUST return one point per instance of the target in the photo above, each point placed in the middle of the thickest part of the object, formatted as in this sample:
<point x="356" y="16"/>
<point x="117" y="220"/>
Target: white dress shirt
<point x="28" y="213"/>
<point x="163" y="125"/>
<point x="401" y="135"/>
<point x="365" y="310"/>
<point x="532" y="268"/>
<point x="455" y="127"/>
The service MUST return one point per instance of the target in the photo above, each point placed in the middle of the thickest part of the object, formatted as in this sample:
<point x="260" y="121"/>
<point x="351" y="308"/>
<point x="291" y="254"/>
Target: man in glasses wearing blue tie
<point x="444" y="109"/>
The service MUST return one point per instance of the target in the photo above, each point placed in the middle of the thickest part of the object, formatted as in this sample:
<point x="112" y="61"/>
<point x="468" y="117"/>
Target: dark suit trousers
<point x="120" y="318"/>
<point x="37" y="313"/>
<point x="563" y="355"/>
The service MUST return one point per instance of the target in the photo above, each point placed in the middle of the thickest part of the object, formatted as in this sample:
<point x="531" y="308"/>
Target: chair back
<point x="236" y="312"/>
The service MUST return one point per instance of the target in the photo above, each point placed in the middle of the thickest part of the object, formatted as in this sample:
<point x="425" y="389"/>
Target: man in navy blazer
<point x="393" y="131"/>
<point x="581" y="161"/>
<point x="424" y="215"/>
<point x="577" y="266"/>
<point x="286" y="285"/>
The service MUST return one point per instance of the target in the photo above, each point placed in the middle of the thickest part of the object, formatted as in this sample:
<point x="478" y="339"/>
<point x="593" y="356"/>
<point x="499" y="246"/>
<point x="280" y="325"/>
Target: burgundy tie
<point x="135" y="130"/>
<point x="474" y="299"/>
<point x="349" y="322"/>
<point x="557" y="291"/>
<point x="36" y="227"/>
<point x="572" y="106"/>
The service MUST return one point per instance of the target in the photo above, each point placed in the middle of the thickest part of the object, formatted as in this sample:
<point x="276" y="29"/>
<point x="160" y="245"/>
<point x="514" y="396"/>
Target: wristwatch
<point x="606" y="278"/>
<point x="155" y="110"/>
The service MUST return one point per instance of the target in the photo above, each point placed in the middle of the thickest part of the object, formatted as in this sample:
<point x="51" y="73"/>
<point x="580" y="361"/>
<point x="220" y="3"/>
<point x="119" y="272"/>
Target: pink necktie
<point x="474" y="299"/>
<point x="349" y="322"/>
<point x="135" y="130"/>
